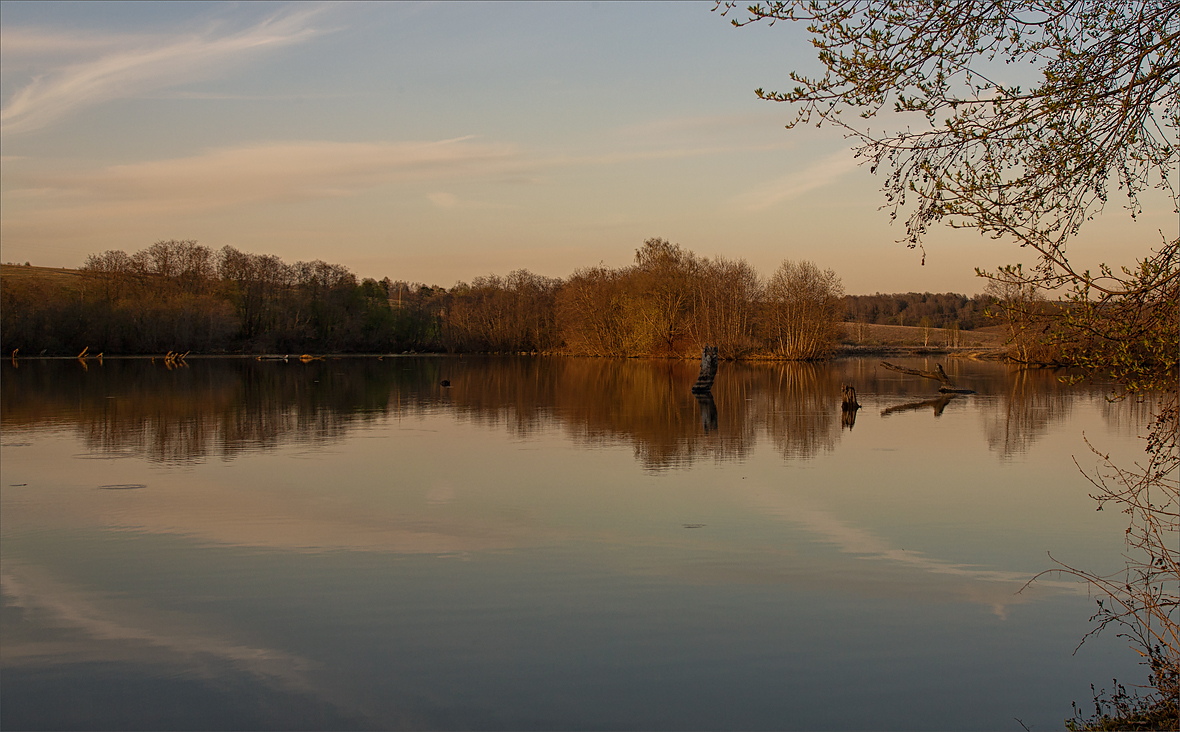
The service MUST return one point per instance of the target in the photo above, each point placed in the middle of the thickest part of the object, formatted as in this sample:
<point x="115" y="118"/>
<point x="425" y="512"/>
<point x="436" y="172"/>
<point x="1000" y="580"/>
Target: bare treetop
<point x="1029" y="162"/>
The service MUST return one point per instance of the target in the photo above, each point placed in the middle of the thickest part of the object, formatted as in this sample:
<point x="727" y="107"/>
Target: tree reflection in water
<point x="938" y="404"/>
<point x="1032" y="400"/>
<point x="224" y="407"/>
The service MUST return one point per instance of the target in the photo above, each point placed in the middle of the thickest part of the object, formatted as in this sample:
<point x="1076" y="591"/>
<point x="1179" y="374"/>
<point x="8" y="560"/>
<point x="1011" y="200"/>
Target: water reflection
<point x="213" y="408"/>
<point x="708" y="412"/>
<point x="220" y="408"/>
<point x="457" y="548"/>
<point x="938" y="404"/>
<point x="106" y="652"/>
<point x="1032" y="399"/>
<point x="649" y="405"/>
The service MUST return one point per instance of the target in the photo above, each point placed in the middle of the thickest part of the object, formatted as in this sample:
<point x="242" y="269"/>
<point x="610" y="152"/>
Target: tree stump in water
<point x="849" y="403"/>
<point x="848" y="407"/>
<point x="708" y="371"/>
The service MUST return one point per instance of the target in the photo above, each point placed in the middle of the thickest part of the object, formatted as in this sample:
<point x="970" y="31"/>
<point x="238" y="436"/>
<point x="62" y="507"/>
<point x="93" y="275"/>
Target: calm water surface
<point x="548" y="544"/>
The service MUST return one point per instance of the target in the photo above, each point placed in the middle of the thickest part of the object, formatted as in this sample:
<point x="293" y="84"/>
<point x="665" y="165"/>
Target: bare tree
<point x="594" y="309"/>
<point x="802" y="310"/>
<point x="1030" y="162"/>
<point x="1020" y="306"/>
<point x="662" y="286"/>
<point x="724" y="306"/>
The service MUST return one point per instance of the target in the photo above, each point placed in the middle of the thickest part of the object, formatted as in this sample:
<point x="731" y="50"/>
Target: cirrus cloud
<point x="266" y="173"/>
<point x="820" y="173"/>
<point x="157" y="64"/>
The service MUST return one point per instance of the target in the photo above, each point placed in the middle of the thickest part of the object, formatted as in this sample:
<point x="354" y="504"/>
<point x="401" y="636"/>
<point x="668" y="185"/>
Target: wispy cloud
<point x="618" y="157"/>
<point x="448" y="200"/>
<point x="443" y="199"/>
<point x="710" y="124"/>
<point x="266" y="173"/>
<point x="20" y="44"/>
<point x="822" y="172"/>
<point x="233" y="177"/>
<point x="157" y="64"/>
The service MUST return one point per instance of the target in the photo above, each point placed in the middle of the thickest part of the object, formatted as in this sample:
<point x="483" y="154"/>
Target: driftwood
<point x="948" y="386"/>
<point x="704" y="383"/>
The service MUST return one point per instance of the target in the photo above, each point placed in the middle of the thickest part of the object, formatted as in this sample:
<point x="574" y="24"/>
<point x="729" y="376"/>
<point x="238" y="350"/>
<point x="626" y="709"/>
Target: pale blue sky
<point x="437" y="142"/>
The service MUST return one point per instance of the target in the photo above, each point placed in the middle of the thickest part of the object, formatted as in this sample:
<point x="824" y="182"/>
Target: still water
<point x="549" y="544"/>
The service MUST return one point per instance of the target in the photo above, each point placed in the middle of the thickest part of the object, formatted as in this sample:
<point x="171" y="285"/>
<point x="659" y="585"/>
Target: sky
<point x="438" y="142"/>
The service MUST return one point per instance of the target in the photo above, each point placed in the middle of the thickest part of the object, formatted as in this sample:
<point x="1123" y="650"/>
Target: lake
<point x="550" y="543"/>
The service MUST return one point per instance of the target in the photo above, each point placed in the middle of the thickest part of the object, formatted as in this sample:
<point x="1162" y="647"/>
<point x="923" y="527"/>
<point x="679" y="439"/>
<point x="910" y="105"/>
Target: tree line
<point x="183" y="296"/>
<point x="935" y="310"/>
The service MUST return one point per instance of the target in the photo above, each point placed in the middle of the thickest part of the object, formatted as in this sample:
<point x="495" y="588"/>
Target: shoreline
<point x="846" y="351"/>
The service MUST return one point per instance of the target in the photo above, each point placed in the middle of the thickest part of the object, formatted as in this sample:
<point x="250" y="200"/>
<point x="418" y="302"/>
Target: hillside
<point x="863" y="336"/>
<point x="19" y="274"/>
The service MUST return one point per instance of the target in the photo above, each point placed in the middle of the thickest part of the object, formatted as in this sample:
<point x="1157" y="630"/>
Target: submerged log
<point x="704" y="382"/>
<point x="948" y="386"/>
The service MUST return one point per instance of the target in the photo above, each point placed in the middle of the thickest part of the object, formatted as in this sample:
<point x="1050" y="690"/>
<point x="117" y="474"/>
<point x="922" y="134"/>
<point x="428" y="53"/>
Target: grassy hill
<point x="869" y="336"/>
<point x="19" y="274"/>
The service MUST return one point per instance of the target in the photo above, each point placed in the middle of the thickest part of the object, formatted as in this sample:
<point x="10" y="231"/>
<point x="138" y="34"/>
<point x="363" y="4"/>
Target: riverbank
<point x="866" y="339"/>
<point x="975" y="352"/>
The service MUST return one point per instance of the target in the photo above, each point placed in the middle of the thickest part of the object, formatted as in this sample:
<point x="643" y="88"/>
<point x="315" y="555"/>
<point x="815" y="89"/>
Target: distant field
<point x="20" y="274"/>
<point x="862" y="334"/>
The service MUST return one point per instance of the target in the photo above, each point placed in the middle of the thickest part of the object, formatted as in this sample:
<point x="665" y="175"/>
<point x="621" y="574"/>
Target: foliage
<point x="1027" y="115"/>
<point x="662" y="284"/>
<point x="1128" y="710"/>
<point x="1131" y="335"/>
